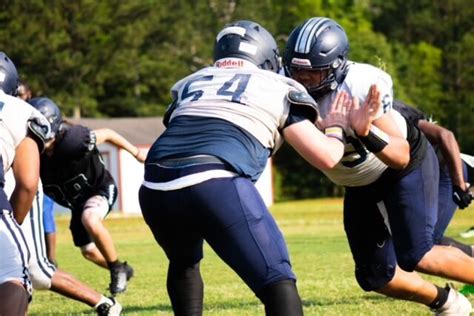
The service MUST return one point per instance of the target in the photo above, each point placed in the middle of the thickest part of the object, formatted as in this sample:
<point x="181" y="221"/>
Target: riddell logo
<point x="300" y="62"/>
<point x="229" y="63"/>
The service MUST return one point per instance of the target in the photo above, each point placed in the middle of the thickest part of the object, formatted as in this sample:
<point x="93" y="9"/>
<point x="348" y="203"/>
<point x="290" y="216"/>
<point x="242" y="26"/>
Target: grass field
<point x="318" y="249"/>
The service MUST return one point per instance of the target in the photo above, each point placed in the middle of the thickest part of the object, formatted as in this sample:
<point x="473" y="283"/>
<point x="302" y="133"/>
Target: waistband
<point x="189" y="161"/>
<point x="178" y="173"/>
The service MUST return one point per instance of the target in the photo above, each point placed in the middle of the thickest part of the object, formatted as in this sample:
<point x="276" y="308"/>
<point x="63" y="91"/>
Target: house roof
<point x="138" y="131"/>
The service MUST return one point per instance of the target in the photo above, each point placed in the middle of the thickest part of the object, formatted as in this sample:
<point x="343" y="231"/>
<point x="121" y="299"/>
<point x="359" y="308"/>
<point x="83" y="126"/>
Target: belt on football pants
<point x="216" y="169"/>
<point x="188" y="161"/>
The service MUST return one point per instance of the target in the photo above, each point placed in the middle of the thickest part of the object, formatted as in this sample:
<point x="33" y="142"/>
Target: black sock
<point x="113" y="265"/>
<point x="281" y="299"/>
<point x="186" y="289"/>
<point x="446" y="241"/>
<point x="441" y="297"/>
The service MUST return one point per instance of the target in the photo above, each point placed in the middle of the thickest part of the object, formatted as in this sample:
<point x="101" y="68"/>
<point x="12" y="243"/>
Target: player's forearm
<point x="107" y="135"/>
<point x="452" y="156"/>
<point x="21" y="201"/>
<point x="319" y="150"/>
<point x="396" y="154"/>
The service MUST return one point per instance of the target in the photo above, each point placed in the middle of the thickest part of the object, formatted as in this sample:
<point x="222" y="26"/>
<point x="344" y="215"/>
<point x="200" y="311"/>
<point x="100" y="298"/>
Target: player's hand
<point x="140" y="155"/>
<point x="338" y="113"/>
<point x="462" y="197"/>
<point x="361" y="117"/>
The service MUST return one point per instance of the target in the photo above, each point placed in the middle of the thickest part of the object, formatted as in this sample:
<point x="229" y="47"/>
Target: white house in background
<point x="128" y="173"/>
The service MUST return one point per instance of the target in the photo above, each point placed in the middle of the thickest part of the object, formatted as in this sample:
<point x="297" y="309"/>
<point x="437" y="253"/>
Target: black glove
<point x="461" y="197"/>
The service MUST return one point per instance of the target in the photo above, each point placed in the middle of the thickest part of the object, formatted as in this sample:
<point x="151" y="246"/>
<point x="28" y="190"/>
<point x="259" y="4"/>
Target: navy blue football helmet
<point x="8" y="75"/>
<point x="318" y="44"/>
<point x="249" y="41"/>
<point x="50" y="110"/>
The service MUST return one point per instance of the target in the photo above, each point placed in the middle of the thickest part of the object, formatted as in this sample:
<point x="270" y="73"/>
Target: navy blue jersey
<point x="415" y="137"/>
<point x="410" y="113"/>
<point x="75" y="171"/>
<point x="194" y="135"/>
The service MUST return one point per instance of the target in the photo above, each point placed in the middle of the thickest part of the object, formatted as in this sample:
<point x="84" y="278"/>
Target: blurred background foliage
<point x="117" y="58"/>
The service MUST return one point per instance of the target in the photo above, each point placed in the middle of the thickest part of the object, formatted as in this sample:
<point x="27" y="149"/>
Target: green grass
<point x="318" y="249"/>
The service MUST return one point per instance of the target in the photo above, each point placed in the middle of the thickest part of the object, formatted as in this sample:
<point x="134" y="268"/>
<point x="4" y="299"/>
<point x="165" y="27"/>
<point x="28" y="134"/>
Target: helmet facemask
<point x="319" y="81"/>
<point x="320" y="45"/>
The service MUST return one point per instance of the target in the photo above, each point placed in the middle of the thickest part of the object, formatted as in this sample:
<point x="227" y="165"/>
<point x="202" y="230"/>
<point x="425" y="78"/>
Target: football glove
<point x="462" y="197"/>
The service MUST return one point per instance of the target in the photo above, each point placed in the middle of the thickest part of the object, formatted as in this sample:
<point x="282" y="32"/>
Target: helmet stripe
<point x="307" y="33"/>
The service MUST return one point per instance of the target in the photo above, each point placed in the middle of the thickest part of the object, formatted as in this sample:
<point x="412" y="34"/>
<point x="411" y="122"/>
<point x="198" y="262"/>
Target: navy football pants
<point x="226" y="212"/>
<point x="404" y="234"/>
<point x="446" y="205"/>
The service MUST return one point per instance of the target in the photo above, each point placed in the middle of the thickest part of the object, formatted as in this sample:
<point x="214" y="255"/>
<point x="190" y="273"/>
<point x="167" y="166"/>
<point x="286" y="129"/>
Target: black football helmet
<point x="249" y="41"/>
<point x="8" y="75"/>
<point x="318" y="44"/>
<point x="50" y="110"/>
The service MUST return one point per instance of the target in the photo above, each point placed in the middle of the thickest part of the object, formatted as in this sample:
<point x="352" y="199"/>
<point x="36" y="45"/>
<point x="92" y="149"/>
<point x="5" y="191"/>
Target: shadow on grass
<point x="230" y="305"/>
<point x="251" y="305"/>
<point x="224" y="305"/>
<point x="349" y="300"/>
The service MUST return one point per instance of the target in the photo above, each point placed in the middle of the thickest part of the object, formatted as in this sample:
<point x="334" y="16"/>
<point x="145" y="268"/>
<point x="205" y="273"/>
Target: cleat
<point x="119" y="277"/>
<point x="468" y="233"/>
<point x="456" y="305"/>
<point x="129" y="270"/>
<point x="107" y="309"/>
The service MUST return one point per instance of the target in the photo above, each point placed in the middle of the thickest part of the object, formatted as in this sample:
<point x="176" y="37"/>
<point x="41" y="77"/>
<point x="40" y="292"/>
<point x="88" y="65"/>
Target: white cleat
<point x="468" y="233"/>
<point x="108" y="309"/>
<point x="456" y="305"/>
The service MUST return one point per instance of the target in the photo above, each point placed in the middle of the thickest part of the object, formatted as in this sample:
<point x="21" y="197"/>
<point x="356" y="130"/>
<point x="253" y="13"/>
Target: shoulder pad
<point x="41" y="130"/>
<point x="302" y="98"/>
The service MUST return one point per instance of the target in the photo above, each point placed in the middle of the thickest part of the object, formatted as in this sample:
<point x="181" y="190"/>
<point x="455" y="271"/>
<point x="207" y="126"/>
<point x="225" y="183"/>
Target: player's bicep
<point x="26" y="163"/>
<point x="387" y="123"/>
<point x="432" y="131"/>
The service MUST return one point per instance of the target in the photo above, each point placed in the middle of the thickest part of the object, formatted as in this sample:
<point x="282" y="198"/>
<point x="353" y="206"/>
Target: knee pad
<point x="41" y="274"/>
<point x="374" y="277"/>
<point x="96" y="206"/>
<point x="90" y="247"/>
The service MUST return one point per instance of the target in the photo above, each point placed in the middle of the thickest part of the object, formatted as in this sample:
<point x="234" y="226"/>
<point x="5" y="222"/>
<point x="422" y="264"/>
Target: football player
<point x="74" y="175"/>
<point x="223" y="124"/>
<point x="390" y="174"/>
<point x="44" y="274"/>
<point x="20" y="124"/>
<point x="454" y="184"/>
<point x="22" y="133"/>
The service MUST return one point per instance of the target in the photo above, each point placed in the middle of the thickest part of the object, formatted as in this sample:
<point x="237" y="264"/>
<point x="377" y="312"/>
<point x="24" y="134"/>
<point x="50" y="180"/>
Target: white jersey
<point x="14" y="116"/>
<point x="359" y="166"/>
<point x="245" y="95"/>
<point x="40" y="268"/>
